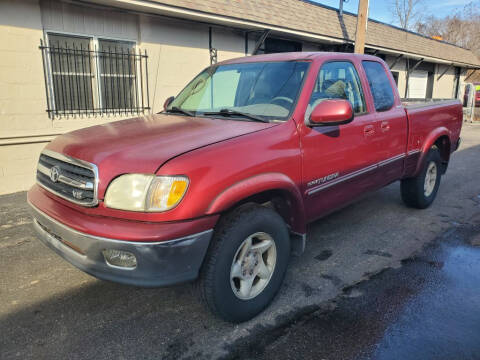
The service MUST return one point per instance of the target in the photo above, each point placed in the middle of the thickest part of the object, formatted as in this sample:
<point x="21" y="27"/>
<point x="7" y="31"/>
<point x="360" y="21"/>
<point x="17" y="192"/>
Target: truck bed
<point x="412" y="103"/>
<point x="430" y="121"/>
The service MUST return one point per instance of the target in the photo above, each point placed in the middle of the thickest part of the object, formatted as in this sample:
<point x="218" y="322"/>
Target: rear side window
<point x="379" y="85"/>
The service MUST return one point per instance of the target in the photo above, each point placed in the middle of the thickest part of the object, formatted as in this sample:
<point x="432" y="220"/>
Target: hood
<point x="143" y="144"/>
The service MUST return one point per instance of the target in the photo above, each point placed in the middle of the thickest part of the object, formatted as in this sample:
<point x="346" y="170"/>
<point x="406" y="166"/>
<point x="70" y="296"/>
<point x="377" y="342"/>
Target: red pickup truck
<point x="221" y="185"/>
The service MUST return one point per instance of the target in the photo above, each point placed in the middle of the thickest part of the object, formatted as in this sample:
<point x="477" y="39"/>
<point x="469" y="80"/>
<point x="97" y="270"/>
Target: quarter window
<point x="338" y="80"/>
<point x="380" y="86"/>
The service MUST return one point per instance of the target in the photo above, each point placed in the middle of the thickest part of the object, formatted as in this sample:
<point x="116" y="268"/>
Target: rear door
<point x="391" y="123"/>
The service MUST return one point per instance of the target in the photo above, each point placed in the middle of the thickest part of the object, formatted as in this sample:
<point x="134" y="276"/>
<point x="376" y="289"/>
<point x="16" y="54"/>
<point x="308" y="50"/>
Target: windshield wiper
<point x="230" y="112"/>
<point x="176" y="109"/>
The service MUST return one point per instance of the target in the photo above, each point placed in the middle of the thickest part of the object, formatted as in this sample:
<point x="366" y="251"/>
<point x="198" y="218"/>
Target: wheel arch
<point x="274" y="188"/>
<point x="441" y="139"/>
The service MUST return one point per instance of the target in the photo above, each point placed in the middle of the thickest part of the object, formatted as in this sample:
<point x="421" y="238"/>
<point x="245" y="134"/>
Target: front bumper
<point x="158" y="263"/>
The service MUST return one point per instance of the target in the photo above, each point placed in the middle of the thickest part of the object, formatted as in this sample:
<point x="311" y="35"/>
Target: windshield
<point x="265" y="90"/>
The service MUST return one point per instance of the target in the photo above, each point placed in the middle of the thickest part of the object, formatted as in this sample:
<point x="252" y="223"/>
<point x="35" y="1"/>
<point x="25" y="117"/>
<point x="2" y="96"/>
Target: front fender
<point x="258" y="184"/>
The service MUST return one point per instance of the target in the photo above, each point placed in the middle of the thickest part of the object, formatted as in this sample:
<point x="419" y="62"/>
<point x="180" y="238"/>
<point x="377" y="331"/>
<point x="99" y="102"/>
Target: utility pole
<point x="362" y="19"/>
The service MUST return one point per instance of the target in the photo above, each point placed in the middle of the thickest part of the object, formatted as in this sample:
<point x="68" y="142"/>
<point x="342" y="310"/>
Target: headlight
<point x="139" y="192"/>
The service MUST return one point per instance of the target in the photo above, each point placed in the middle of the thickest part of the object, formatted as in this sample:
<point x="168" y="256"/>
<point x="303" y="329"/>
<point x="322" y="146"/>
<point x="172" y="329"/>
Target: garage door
<point x="417" y="85"/>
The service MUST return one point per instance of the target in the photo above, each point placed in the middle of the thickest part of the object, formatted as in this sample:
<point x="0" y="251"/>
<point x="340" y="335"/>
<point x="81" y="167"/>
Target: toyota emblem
<point x="54" y="173"/>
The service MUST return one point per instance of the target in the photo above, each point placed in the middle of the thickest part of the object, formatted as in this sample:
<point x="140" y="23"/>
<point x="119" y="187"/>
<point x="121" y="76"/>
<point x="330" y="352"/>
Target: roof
<point x="286" y="56"/>
<point x="305" y="16"/>
<point x="295" y="56"/>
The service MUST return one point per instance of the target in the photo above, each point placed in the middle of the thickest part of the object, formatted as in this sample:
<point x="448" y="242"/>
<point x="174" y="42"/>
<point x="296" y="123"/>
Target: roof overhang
<point x="153" y="7"/>
<point x="419" y="56"/>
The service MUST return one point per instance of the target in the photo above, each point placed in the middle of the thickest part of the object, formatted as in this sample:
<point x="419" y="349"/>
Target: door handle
<point x="368" y="130"/>
<point x="385" y="126"/>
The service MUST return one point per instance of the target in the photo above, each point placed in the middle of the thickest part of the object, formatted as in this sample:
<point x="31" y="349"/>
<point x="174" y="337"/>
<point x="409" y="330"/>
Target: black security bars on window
<point x="80" y="81"/>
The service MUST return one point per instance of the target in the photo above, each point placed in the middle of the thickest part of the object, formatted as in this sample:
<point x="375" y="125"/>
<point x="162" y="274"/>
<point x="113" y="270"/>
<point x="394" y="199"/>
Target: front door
<point x="340" y="162"/>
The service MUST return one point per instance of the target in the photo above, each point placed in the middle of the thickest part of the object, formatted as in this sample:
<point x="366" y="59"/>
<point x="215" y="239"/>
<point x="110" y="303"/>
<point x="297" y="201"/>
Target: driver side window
<point x="337" y="80"/>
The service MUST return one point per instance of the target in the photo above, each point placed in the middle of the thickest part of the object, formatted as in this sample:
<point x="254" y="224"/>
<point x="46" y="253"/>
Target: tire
<point x="419" y="192"/>
<point x="221" y="284"/>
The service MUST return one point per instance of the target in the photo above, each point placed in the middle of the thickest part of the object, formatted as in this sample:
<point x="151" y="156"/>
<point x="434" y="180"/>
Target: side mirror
<point x="332" y="112"/>
<point x="168" y="102"/>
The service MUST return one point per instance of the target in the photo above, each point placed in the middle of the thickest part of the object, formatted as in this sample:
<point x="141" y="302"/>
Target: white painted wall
<point x="444" y="88"/>
<point x="82" y="20"/>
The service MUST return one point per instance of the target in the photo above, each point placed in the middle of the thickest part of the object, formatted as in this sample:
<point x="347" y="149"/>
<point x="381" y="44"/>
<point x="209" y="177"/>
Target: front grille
<point x="72" y="179"/>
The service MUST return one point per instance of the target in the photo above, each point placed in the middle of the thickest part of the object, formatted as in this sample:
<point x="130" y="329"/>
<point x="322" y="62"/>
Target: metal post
<point x="123" y="82"/>
<point x="141" y="80"/>
<point x="84" y="70"/>
<point x="112" y="93"/>
<point x="146" y="80"/>
<point x="104" y="96"/>
<point x="407" y="78"/>
<point x="211" y="49"/>
<point x="43" y="49"/>
<point x="129" y="81"/>
<point x="61" y="77"/>
<point x="117" y="76"/>
<point x="457" y="82"/>
<point x="246" y="43"/>
<point x="69" y="76"/>
<point x="135" y="65"/>
<point x="77" y="77"/>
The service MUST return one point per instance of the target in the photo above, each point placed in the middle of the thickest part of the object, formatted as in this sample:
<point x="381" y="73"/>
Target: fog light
<point x="120" y="258"/>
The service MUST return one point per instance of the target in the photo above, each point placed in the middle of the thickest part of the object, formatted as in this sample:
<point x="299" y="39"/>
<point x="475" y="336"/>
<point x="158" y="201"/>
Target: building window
<point x="94" y="76"/>
<point x="117" y="74"/>
<point x="71" y="73"/>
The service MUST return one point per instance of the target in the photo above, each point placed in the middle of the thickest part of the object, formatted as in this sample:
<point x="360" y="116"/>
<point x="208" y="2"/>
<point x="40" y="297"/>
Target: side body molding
<point x="261" y="183"/>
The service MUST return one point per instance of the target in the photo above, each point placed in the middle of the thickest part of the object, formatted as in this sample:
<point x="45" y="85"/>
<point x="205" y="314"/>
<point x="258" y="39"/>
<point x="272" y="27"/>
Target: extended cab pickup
<point x="221" y="184"/>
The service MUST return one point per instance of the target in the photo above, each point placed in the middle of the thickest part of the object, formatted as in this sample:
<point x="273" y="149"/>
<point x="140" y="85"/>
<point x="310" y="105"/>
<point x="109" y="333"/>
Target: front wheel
<point x="419" y="192"/>
<point x="246" y="263"/>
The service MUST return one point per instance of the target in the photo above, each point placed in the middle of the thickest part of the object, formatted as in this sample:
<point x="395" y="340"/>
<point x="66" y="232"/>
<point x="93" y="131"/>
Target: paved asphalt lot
<point x="372" y="274"/>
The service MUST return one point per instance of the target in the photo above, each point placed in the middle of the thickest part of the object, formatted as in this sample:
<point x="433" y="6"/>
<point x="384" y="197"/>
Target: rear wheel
<point x="246" y="263"/>
<point x="419" y="192"/>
